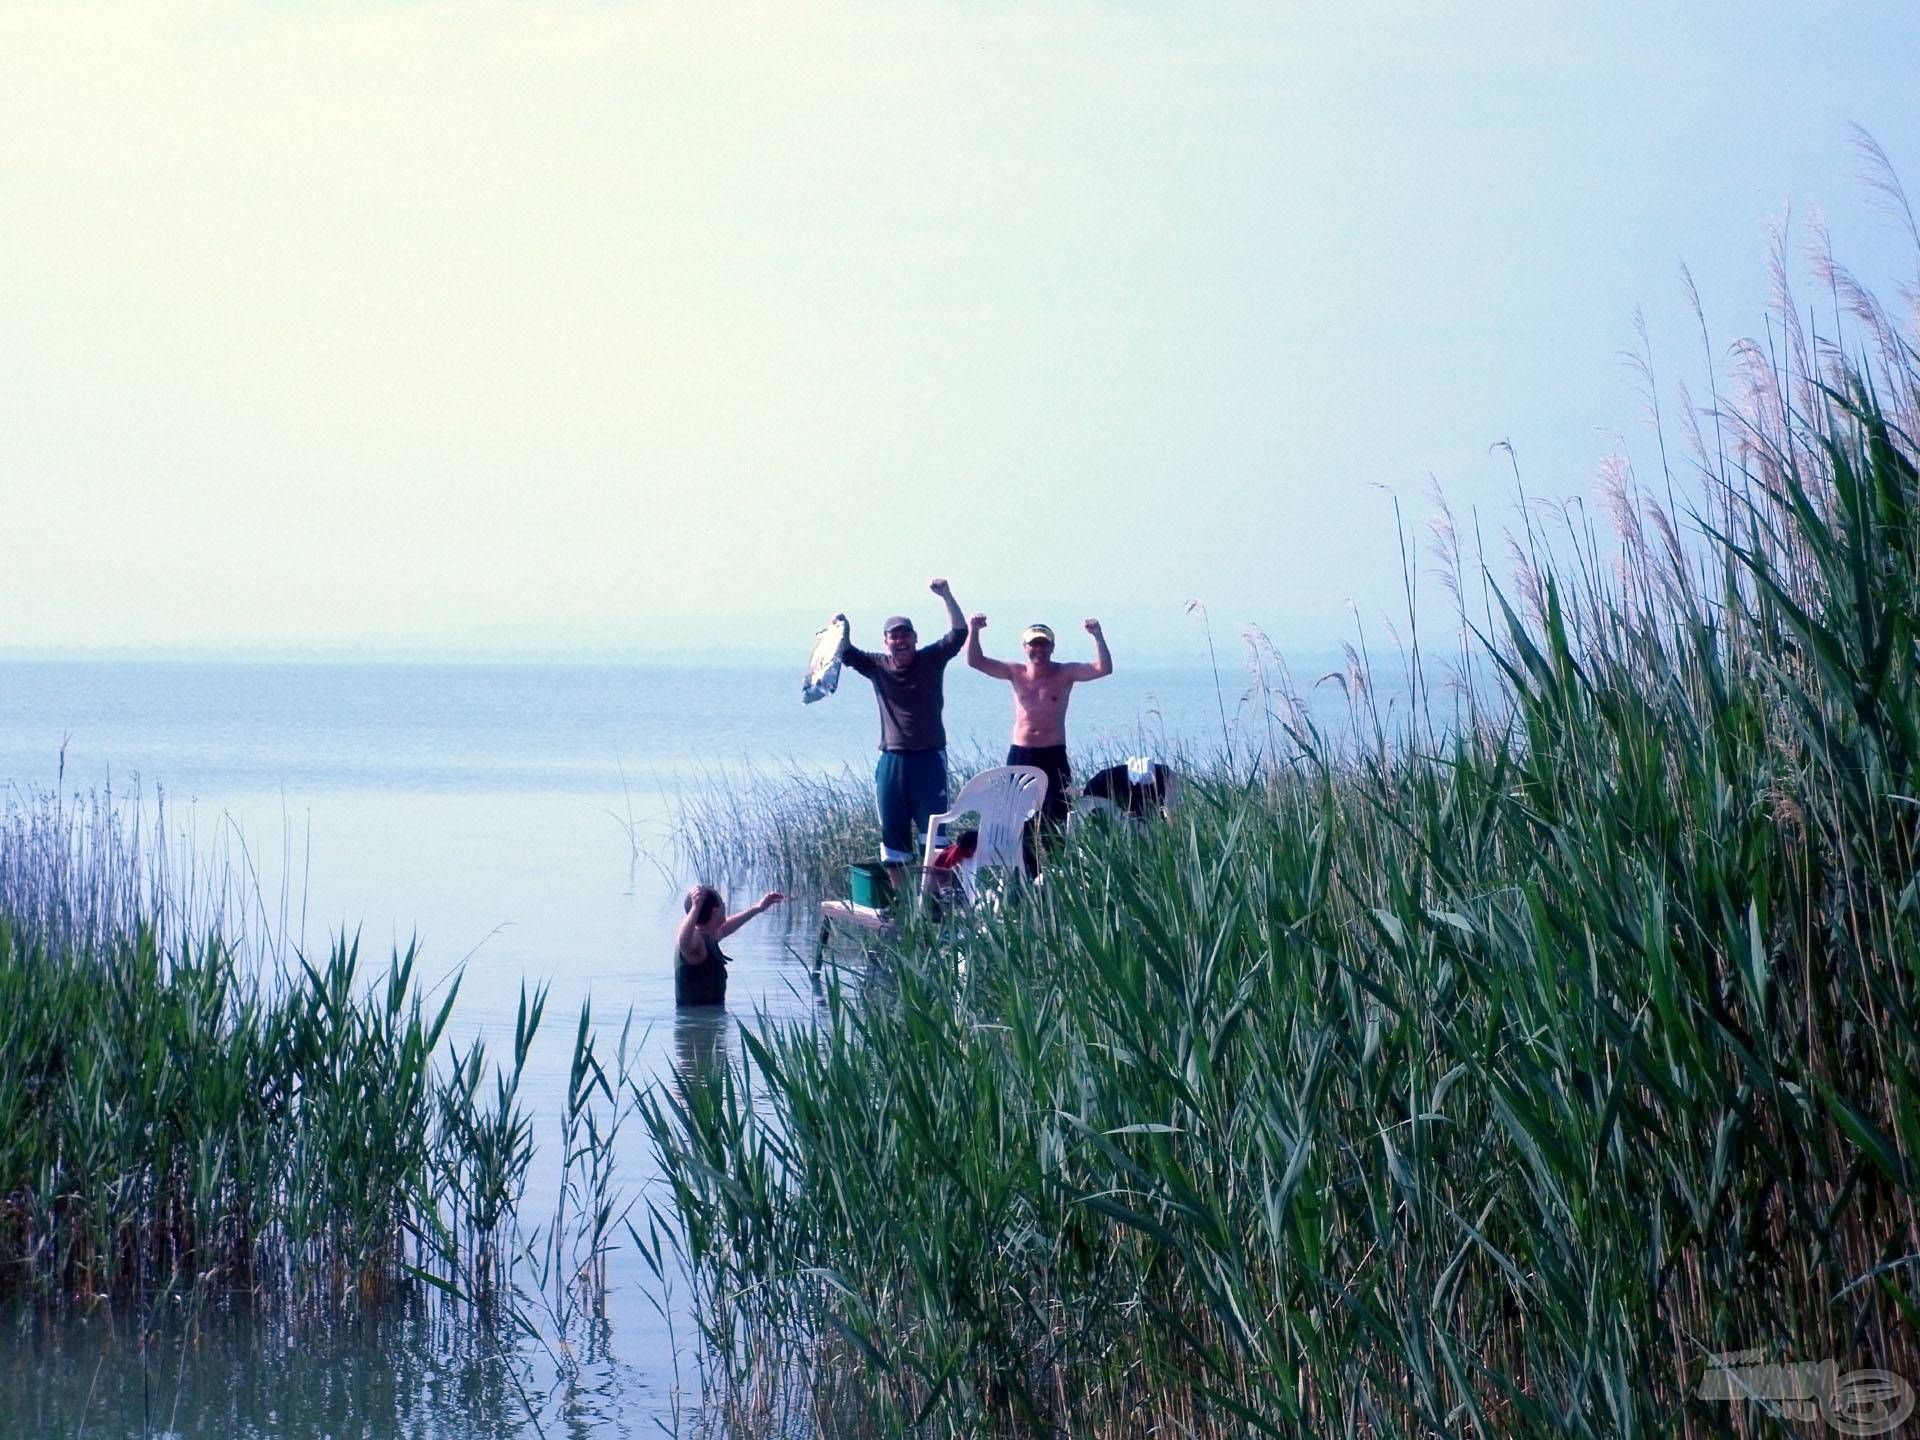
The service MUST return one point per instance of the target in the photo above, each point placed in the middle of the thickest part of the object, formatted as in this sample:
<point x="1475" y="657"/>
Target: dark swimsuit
<point x="702" y="984"/>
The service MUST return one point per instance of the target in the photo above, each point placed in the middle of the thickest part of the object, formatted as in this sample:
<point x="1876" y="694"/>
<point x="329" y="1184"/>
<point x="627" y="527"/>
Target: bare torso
<point x="1040" y="695"/>
<point x="1042" y="686"/>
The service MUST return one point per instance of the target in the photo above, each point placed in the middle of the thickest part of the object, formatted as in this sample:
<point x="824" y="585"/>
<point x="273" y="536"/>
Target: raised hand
<point x="939" y="587"/>
<point x="1093" y="626"/>
<point x="771" y="899"/>
<point x="978" y="622"/>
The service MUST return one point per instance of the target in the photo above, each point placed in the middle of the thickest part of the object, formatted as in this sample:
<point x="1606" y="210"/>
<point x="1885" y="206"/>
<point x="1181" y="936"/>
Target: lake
<point x="516" y="820"/>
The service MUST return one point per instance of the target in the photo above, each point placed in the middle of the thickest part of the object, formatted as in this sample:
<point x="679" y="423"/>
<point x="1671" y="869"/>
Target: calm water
<point x="488" y="811"/>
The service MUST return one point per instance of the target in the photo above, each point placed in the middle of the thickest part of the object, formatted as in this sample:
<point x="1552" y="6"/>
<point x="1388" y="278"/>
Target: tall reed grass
<point x="797" y="829"/>
<point x="1480" y="1079"/>
<point x="191" y="1106"/>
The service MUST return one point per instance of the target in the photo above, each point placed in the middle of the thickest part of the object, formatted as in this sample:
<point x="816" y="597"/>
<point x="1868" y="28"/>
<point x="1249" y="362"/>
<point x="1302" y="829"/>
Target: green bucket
<point x="869" y="884"/>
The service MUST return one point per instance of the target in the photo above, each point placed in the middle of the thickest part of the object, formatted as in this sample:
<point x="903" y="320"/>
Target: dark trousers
<point x="910" y="785"/>
<point x="1052" y="761"/>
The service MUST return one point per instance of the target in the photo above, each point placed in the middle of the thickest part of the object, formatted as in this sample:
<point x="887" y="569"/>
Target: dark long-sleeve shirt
<point x="910" y="697"/>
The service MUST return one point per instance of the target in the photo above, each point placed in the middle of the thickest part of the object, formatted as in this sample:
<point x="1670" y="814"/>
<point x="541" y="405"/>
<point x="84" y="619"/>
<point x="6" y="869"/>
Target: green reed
<point x="213" y="1114"/>
<point x="172" y="1123"/>
<point x="795" y="828"/>
<point x="799" y="830"/>
<point x="1471" y="1079"/>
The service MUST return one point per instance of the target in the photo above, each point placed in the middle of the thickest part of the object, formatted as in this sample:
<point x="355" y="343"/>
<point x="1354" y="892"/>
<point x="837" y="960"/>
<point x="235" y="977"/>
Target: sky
<point x="626" y="328"/>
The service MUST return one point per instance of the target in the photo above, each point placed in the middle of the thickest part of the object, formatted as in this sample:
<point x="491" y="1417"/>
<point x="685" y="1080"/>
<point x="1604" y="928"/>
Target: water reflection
<point x="415" y="1370"/>
<point x="701" y="1036"/>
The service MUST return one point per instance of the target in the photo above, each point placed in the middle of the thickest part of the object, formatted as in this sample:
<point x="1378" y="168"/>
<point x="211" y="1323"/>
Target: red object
<point x="961" y="849"/>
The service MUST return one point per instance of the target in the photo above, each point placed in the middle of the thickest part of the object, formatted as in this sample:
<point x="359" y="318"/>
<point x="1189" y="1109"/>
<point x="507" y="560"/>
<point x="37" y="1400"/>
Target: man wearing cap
<point x="910" y="780"/>
<point x="1041" y="689"/>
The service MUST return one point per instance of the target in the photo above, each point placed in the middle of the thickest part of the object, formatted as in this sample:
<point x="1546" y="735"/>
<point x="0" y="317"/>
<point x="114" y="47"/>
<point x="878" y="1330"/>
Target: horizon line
<point x="402" y="653"/>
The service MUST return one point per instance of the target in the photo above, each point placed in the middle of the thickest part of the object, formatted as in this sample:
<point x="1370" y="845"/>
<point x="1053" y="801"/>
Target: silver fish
<point x="823" y="666"/>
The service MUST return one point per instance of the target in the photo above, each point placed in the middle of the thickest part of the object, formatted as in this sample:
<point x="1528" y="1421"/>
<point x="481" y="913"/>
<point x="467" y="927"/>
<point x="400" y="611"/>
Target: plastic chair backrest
<point x="1006" y="798"/>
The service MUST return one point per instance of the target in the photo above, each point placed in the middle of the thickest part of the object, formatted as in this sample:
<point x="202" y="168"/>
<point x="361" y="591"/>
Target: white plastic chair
<point x="1006" y="798"/>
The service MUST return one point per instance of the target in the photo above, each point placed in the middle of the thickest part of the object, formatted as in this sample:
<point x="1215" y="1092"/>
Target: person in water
<point x="1041" y="689"/>
<point x="699" y="967"/>
<point x="910" y="780"/>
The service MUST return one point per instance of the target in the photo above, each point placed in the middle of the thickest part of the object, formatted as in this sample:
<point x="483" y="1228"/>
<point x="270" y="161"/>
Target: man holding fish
<point x="909" y="687"/>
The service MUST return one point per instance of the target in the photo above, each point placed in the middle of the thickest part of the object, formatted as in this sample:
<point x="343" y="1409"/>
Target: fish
<point x="823" y="666"/>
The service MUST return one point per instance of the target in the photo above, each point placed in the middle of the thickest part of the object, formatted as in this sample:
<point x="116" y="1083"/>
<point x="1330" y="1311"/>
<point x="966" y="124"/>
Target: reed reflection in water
<point x="416" y="1371"/>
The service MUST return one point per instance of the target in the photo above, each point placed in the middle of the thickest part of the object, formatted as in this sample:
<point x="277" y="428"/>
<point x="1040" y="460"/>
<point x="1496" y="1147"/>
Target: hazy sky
<point x="597" y="325"/>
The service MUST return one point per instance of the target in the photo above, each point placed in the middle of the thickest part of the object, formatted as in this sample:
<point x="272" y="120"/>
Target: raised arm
<point x="977" y="658"/>
<point x="851" y="655"/>
<point x="686" y="939"/>
<point x="955" y="619"/>
<point x="1102" y="665"/>
<point x="759" y="907"/>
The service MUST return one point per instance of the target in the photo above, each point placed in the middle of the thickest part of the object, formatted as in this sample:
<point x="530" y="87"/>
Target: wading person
<point x="909" y="685"/>
<point x="1041" y="689"/>
<point x="699" y="967"/>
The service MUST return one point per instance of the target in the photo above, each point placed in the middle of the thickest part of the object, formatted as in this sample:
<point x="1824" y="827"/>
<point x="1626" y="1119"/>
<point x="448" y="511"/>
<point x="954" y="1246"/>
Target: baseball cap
<point x="896" y="622"/>
<point x="1037" y="632"/>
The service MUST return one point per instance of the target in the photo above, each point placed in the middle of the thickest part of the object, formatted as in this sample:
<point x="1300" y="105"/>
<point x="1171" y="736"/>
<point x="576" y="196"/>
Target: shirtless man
<point x="1041" y="689"/>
